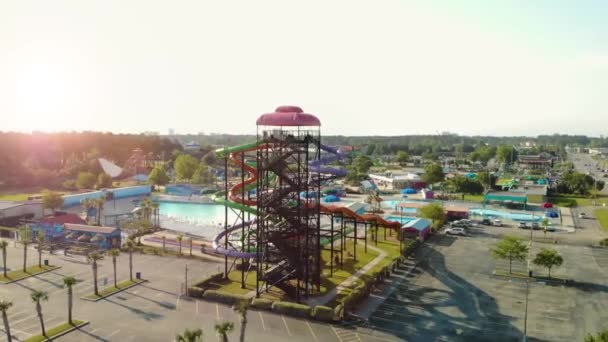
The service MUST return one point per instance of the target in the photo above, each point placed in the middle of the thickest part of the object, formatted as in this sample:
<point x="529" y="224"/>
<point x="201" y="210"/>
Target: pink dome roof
<point x="288" y="116"/>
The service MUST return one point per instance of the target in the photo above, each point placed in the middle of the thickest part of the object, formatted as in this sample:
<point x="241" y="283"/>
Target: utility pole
<point x="525" y="338"/>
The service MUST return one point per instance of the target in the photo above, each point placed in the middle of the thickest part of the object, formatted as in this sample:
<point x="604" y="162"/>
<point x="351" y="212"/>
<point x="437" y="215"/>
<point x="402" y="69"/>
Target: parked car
<point x="470" y="223"/>
<point x="550" y="228"/>
<point x="582" y="215"/>
<point x="460" y="224"/>
<point x="486" y="222"/>
<point x="456" y="231"/>
<point x="535" y="226"/>
<point x="523" y="225"/>
<point x="497" y="223"/>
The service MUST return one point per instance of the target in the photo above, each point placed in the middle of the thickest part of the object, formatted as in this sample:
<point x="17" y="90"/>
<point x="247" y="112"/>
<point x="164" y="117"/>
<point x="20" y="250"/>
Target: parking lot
<point x="452" y="296"/>
<point x="153" y="311"/>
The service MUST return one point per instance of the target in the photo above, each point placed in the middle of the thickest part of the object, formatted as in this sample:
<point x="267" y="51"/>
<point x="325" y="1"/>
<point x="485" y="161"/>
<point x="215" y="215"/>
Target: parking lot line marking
<point x="114" y="333"/>
<point x="286" y="326"/>
<point x="311" y="331"/>
<point x="262" y="319"/>
<point x="217" y="312"/>
<point x="336" y="333"/>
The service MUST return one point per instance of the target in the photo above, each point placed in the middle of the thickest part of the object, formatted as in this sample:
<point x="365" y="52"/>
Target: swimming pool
<point x="403" y="219"/>
<point x="392" y="204"/>
<point x="505" y="215"/>
<point x="196" y="218"/>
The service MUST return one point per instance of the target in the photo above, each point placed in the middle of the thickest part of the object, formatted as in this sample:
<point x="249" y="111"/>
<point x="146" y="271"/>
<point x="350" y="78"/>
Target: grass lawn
<point x="14" y="197"/>
<point x="602" y="217"/>
<point x="473" y="198"/>
<point x="570" y="201"/>
<point x="55" y="331"/>
<point x="108" y="291"/>
<point x="233" y="283"/>
<point x="29" y="272"/>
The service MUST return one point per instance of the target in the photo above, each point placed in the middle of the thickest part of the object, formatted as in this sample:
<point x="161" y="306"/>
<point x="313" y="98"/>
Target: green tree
<point x="25" y="241"/>
<point x="4" y="306"/>
<point x="158" y="176"/>
<point x="185" y="166"/>
<point x="362" y="164"/>
<point x="241" y="308"/>
<point x="465" y="185"/>
<point x="370" y="149"/>
<point x="210" y="158"/>
<point x="433" y="173"/>
<point x="602" y="336"/>
<point x="548" y="258"/>
<point x="114" y="253"/>
<point x="510" y="248"/>
<point x="99" y="204"/>
<point x="202" y="175"/>
<point x="545" y="224"/>
<point x="223" y="329"/>
<point x="38" y="296"/>
<point x="488" y="180"/>
<point x="86" y="180"/>
<point x="3" y="246"/>
<point x="402" y="158"/>
<point x="435" y="213"/>
<point x="69" y="282"/>
<point x="104" y="181"/>
<point x="52" y="200"/>
<point x="93" y="258"/>
<point x="190" y="336"/>
<point x="506" y="154"/>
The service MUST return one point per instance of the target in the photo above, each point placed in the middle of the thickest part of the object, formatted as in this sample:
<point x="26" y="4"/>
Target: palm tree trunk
<point x="39" y="255"/>
<point x="39" y="310"/>
<point x="510" y="262"/>
<point x="131" y="264"/>
<point x="243" y="326"/>
<point x="95" y="278"/>
<point x="70" y="304"/>
<point x="114" y="264"/>
<point x="190" y="247"/>
<point x="24" y="258"/>
<point x="180" y="248"/>
<point x="7" y="328"/>
<point x="549" y="272"/>
<point x="4" y="261"/>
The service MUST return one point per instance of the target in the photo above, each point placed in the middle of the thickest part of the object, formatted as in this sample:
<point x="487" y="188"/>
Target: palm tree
<point x="38" y="296"/>
<point x="155" y="207"/>
<point x="130" y="244"/>
<point x="241" y="309"/>
<point x="93" y="258"/>
<point x="99" y="203"/>
<point x="25" y="241"/>
<point x="545" y="224"/>
<point x="114" y="253"/>
<point x="190" y="240"/>
<point x="40" y="240"/>
<point x="3" y="246"/>
<point x="4" y="306"/>
<point x="223" y="329"/>
<point x="179" y="239"/>
<point x="164" y="239"/>
<point x="69" y="282"/>
<point x="190" y="336"/>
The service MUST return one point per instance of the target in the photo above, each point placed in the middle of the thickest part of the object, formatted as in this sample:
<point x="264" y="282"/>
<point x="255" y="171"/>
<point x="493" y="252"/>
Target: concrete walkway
<point x="322" y="300"/>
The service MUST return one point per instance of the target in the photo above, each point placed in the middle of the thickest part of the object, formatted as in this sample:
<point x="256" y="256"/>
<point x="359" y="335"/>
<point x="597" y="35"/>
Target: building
<point x="398" y="180"/>
<point x="539" y="161"/>
<point x="192" y="146"/>
<point x="456" y="213"/>
<point x="602" y="151"/>
<point x="418" y="228"/>
<point x="12" y="212"/>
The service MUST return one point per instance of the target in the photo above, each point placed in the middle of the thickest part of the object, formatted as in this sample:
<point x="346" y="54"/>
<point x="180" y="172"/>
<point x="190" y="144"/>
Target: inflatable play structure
<point x="279" y="203"/>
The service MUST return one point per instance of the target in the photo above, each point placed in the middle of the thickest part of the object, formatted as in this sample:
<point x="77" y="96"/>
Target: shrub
<point x="323" y="313"/>
<point x="196" y="292"/>
<point x="339" y="312"/>
<point x="262" y="304"/>
<point x="224" y="297"/>
<point x="604" y="242"/>
<point x="292" y="309"/>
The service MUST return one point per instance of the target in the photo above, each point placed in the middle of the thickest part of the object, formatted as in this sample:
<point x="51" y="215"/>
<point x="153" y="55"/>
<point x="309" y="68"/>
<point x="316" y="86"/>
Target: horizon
<point x="385" y="69"/>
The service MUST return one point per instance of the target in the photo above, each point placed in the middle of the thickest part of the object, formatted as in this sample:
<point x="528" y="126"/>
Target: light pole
<point x="525" y="337"/>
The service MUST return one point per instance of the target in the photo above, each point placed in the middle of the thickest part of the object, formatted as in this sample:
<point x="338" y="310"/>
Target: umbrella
<point x="551" y="214"/>
<point x="408" y="191"/>
<point x="541" y="181"/>
<point x="97" y="237"/>
<point x="546" y="205"/>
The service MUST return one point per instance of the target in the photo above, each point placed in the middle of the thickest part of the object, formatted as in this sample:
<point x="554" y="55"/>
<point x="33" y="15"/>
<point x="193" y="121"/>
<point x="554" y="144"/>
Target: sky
<point x="385" y="67"/>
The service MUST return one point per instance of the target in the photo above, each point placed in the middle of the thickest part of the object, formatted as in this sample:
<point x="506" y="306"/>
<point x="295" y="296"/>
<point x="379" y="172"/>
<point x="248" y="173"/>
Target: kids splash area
<point x="281" y="230"/>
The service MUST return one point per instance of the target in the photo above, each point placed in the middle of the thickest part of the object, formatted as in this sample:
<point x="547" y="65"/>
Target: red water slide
<point x="371" y="218"/>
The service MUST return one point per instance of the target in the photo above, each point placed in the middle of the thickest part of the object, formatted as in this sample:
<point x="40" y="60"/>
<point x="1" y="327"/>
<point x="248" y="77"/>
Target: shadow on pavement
<point x="93" y="336"/>
<point x="148" y="316"/>
<point x="419" y="313"/>
<point x="159" y="290"/>
<point x="165" y="305"/>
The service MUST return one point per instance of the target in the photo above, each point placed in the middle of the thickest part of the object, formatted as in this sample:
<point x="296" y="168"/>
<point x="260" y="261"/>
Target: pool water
<point x="505" y="215"/>
<point x="393" y="204"/>
<point x="196" y="213"/>
<point x="403" y="219"/>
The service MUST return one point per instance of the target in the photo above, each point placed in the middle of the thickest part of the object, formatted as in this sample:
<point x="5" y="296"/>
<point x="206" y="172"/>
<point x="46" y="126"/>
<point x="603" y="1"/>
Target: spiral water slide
<point x="236" y="201"/>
